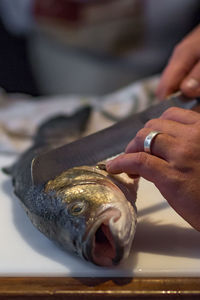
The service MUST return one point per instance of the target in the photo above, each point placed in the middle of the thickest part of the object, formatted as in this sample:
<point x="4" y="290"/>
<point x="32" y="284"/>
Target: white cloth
<point x="21" y="115"/>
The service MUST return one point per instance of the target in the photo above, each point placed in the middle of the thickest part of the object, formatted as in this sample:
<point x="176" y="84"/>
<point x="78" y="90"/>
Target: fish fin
<point x="56" y="132"/>
<point x="7" y="170"/>
<point x="63" y="126"/>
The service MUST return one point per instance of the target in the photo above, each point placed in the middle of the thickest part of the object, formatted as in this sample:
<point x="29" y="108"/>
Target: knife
<point x="101" y="145"/>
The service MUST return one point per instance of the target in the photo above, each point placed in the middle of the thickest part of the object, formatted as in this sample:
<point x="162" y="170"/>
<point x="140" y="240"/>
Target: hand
<point x="183" y="70"/>
<point x="174" y="165"/>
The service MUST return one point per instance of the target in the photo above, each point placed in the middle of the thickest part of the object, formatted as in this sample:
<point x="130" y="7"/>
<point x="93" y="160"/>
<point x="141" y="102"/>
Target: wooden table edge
<point x="88" y="288"/>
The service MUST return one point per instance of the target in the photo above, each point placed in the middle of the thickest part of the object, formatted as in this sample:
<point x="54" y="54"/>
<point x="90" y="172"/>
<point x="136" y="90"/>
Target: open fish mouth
<point x="106" y="244"/>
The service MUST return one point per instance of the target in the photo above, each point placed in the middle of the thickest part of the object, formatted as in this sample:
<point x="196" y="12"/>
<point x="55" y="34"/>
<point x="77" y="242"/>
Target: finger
<point x="137" y="144"/>
<point x="191" y="84"/>
<point x="160" y="145"/>
<point x="169" y="127"/>
<point x="177" y="69"/>
<point x="184" y="57"/>
<point x="148" y="166"/>
<point x="181" y="115"/>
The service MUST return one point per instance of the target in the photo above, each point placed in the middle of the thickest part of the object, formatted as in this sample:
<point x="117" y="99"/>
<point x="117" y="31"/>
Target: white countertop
<point x="164" y="244"/>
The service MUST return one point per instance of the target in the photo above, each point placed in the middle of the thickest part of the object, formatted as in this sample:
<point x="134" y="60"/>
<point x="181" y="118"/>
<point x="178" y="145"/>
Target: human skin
<point x="174" y="163"/>
<point x="173" y="166"/>
<point x="183" y="69"/>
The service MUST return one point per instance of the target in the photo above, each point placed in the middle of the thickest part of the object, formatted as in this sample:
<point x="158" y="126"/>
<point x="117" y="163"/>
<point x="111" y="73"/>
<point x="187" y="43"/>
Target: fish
<point x="84" y="210"/>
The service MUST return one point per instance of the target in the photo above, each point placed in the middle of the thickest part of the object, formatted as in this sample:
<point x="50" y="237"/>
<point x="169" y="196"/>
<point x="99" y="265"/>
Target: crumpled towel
<point x="20" y="115"/>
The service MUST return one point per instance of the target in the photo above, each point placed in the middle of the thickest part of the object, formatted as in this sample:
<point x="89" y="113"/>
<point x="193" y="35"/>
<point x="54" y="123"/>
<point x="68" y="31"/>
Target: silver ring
<point x="149" y="139"/>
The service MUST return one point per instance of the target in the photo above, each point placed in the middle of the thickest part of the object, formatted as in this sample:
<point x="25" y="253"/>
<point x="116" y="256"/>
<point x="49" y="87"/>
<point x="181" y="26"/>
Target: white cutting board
<point x="164" y="244"/>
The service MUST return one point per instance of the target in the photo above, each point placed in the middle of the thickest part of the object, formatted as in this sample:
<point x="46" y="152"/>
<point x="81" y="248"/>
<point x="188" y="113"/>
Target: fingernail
<point x="108" y="164"/>
<point x="192" y="83"/>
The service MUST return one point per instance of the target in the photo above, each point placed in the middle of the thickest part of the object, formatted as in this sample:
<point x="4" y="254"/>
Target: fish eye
<point x="77" y="208"/>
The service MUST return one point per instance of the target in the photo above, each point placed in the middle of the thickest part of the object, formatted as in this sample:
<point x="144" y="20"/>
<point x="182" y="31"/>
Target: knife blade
<point x="103" y="144"/>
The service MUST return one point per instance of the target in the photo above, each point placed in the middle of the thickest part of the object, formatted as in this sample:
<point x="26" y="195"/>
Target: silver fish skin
<point x="84" y="210"/>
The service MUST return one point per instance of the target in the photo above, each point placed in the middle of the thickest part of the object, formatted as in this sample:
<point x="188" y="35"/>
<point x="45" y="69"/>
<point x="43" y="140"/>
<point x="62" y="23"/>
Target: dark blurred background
<point x="90" y="46"/>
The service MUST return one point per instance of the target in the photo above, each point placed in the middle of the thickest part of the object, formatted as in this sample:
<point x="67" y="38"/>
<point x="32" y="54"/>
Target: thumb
<point x="191" y="84"/>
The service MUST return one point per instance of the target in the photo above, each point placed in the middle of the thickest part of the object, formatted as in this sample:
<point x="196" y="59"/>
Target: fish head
<point x="101" y="211"/>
